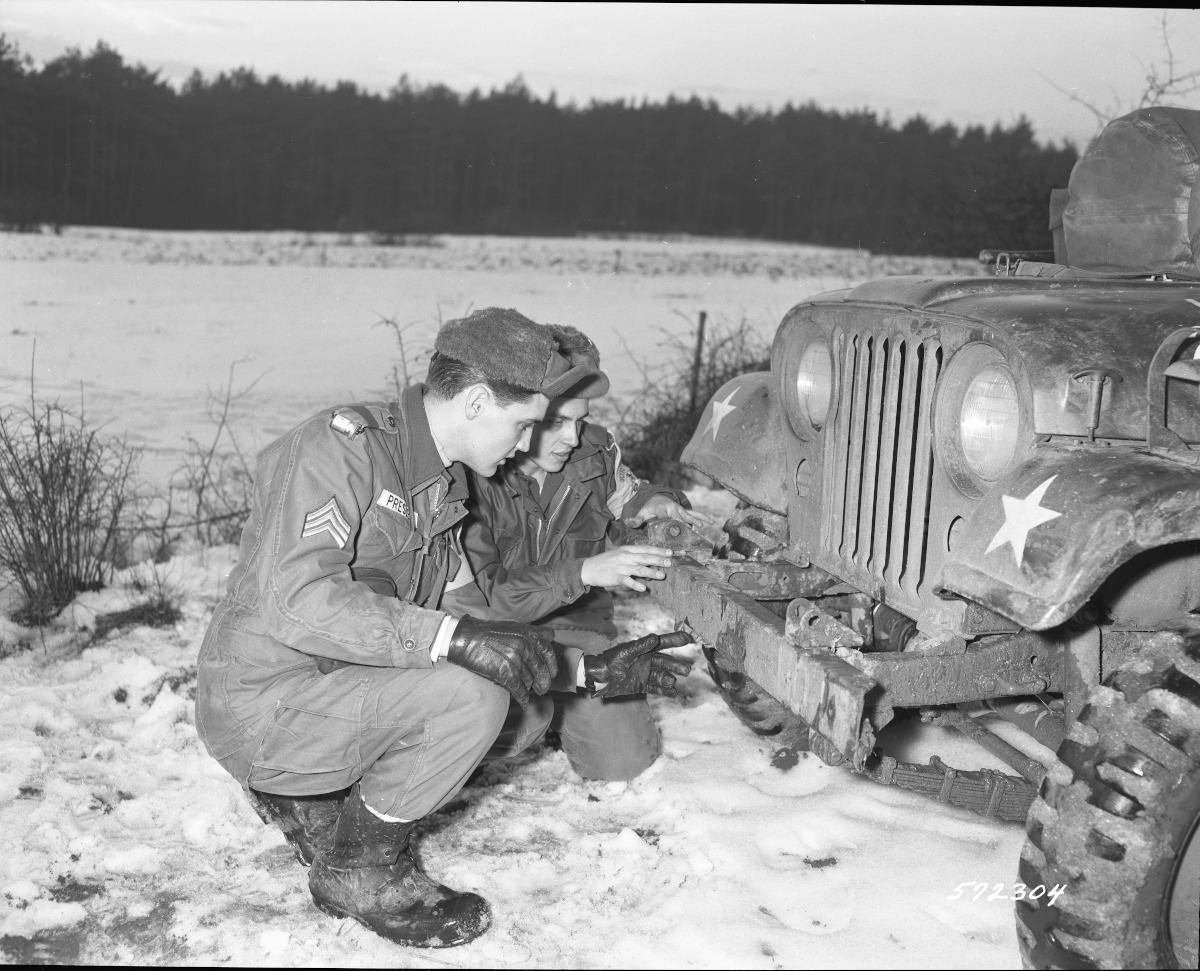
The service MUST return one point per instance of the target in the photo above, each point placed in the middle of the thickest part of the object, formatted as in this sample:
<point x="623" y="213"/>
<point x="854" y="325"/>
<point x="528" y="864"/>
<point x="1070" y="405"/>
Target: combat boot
<point x="307" y="822"/>
<point x="368" y="872"/>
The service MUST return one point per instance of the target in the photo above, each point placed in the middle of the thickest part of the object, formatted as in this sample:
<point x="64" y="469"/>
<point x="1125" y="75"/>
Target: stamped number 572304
<point x="977" y="888"/>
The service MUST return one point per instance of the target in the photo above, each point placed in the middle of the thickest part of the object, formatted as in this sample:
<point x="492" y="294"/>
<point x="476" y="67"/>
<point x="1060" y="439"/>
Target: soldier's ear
<point x="476" y="398"/>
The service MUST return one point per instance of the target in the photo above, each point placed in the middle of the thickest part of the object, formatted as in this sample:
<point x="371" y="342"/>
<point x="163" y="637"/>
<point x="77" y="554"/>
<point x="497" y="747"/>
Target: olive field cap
<point x="507" y="346"/>
<point x="579" y="350"/>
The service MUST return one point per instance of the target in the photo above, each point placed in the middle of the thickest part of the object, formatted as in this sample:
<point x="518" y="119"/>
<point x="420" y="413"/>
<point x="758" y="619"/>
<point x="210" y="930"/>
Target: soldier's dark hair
<point x="449" y="376"/>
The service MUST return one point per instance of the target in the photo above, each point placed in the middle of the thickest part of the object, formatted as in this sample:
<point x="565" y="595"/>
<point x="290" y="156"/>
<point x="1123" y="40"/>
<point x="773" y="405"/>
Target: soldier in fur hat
<point x="333" y="683"/>
<point x="543" y="539"/>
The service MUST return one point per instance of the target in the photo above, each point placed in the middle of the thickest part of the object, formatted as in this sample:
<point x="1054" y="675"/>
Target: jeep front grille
<point x="878" y="458"/>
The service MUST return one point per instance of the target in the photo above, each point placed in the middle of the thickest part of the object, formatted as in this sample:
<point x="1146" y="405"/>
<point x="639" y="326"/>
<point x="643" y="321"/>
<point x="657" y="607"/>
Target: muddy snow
<point x="124" y="843"/>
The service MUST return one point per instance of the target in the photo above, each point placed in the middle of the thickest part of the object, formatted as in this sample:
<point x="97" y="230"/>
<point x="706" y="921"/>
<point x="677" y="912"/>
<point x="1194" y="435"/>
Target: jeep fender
<point x="740" y="442"/>
<point x="1055" y="529"/>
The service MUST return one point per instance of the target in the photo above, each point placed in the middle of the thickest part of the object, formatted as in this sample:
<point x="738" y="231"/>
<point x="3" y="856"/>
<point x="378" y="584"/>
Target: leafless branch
<point x="1163" y="82"/>
<point x="411" y="357"/>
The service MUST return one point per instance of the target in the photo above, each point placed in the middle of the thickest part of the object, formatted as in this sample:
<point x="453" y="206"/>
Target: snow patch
<point x="41" y="915"/>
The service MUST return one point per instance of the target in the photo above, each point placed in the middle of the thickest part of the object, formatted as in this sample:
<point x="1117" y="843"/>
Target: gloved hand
<point x="518" y="657"/>
<point x="635" y="667"/>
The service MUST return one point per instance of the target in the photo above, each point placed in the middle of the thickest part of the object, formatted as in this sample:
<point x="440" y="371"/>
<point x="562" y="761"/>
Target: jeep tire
<point x="755" y="708"/>
<point x="1122" y="836"/>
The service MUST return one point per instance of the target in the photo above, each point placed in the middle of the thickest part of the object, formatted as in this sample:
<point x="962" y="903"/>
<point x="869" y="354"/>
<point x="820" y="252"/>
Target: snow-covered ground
<point x="124" y="843"/>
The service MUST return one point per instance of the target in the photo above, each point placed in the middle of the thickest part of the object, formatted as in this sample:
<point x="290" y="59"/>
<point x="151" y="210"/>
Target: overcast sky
<point x="963" y="64"/>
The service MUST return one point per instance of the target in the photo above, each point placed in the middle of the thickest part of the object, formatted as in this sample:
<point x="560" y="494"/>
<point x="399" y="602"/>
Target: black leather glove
<point x="635" y="667"/>
<point x="518" y="657"/>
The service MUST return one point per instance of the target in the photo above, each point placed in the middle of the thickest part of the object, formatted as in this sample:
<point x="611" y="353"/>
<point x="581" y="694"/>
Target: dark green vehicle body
<point x="883" y="559"/>
<point x="877" y="498"/>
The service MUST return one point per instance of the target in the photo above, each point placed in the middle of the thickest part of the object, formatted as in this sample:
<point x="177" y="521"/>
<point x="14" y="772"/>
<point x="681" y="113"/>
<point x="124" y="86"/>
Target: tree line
<point x="88" y="139"/>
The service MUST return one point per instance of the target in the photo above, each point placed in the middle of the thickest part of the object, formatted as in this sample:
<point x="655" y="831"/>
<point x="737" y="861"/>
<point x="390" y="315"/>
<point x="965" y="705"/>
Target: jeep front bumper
<point x="820" y="687"/>
<point x="810" y="661"/>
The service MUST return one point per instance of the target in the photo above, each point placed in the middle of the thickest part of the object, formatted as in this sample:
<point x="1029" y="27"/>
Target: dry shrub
<point x="66" y="497"/>
<point x="656" y="426"/>
<point x="209" y="496"/>
<point x="414" y="351"/>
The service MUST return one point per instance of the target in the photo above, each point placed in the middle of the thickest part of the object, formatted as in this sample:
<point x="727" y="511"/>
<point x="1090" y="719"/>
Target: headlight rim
<point x="797" y="415"/>
<point x="968" y="363"/>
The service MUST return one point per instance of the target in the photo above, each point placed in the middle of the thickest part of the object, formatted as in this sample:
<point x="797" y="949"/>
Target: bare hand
<point x="620" y="567"/>
<point x="664" y="506"/>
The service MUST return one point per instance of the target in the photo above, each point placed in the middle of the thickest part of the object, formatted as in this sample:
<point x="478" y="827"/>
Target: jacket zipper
<point x="566" y="492"/>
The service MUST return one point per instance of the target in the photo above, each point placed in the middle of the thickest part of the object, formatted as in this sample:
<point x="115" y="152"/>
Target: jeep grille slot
<point x="879" y="457"/>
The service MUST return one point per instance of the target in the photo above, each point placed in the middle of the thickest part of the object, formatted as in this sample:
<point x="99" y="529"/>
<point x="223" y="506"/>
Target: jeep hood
<point x="1051" y="330"/>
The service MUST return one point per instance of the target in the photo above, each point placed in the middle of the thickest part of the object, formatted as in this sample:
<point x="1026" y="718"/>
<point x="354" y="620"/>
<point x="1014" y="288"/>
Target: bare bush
<point x="66" y="500"/>
<point x="209" y="495"/>
<point x="414" y="353"/>
<point x="654" y="428"/>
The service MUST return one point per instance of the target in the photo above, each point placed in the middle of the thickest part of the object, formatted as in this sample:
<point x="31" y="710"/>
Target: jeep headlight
<point x="989" y="422"/>
<point x="982" y="418"/>
<point x="814" y="382"/>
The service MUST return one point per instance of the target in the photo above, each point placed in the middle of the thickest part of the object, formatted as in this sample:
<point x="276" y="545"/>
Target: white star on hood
<point x="1020" y="516"/>
<point x="720" y="410"/>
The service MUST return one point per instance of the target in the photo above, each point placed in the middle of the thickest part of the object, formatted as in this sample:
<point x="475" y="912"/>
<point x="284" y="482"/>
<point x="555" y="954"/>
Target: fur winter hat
<point x="578" y="348"/>
<point x="508" y="346"/>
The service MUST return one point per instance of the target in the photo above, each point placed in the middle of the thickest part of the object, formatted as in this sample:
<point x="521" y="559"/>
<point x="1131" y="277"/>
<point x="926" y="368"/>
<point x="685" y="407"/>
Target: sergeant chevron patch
<point x="327" y="519"/>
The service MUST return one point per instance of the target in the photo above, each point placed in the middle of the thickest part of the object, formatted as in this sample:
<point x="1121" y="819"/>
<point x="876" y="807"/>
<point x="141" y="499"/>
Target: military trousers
<point x="410" y="737"/>
<point x="609" y="739"/>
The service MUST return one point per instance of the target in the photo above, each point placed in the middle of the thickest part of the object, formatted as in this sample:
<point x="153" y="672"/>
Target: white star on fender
<point x="1020" y="516"/>
<point x="720" y="410"/>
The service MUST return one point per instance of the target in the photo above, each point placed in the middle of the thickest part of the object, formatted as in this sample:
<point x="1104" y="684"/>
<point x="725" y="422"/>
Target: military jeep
<point x="976" y="501"/>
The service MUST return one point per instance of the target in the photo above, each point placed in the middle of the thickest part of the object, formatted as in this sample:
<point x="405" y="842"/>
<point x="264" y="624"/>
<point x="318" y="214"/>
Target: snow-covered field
<point x="125" y="844"/>
<point x="141" y="325"/>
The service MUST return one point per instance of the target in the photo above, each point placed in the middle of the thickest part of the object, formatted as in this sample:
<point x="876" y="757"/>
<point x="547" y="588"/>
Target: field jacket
<point x="527" y="562"/>
<point x="353" y="530"/>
